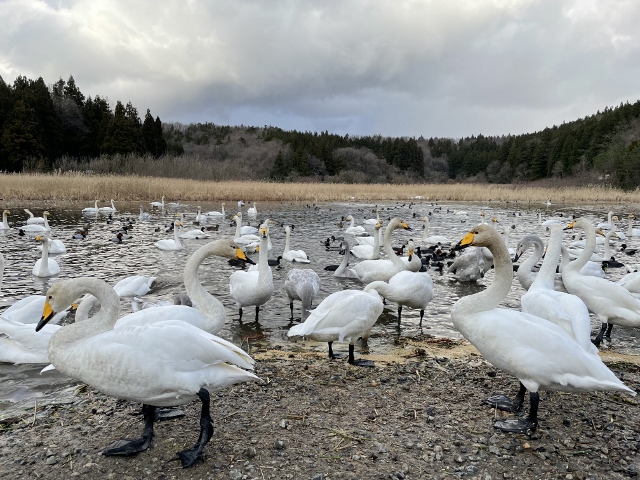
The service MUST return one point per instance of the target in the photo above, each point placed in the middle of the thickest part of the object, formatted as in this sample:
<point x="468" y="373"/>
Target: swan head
<point x="6" y="212"/>
<point x="398" y="223"/>
<point x="264" y="231"/>
<point x="59" y="298"/>
<point x="479" y="236"/>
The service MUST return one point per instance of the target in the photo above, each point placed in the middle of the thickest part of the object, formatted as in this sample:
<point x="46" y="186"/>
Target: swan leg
<point x="359" y="362"/>
<point x="504" y="403"/>
<point x="291" y="307"/>
<point x="191" y="456"/>
<point x="421" y="316"/>
<point x="332" y="355"/>
<point x="131" y="446"/>
<point x="607" y="335"/>
<point x="240" y="313"/>
<point x="399" y="314"/>
<point x="598" y="340"/>
<point x="257" y="312"/>
<point x="522" y="425"/>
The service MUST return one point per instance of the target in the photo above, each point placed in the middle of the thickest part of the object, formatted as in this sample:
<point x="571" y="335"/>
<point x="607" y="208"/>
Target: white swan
<point x="343" y="316"/>
<point x="36" y="228"/>
<point x="33" y="219"/>
<point x="132" y="286"/>
<point x="593" y="269"/>
<point x="159" y="204"/>
<point x="632" y="232"/>
<point x="200" y="217"/>
<point x="354" y="229"/>
<point x="246" y="234"/>
<point x="186" y="361"/>
<point x="5" y="225"/>
<point x="370" y="240"/>
<point x="144" y="216"/>
<point x="412" y="262"/>
<point x="343" y="271"/>
<point x="609" y="224"/>
<point x="171" y="244"/>
<point x="610" y="302"/>
<point x="413" y="289"/>
<point x="525" y="275"/>
<point x="111" y="209"/>
<point x="252" y="211"/>
<point x="91" y="210"/>
<point x="293" y="255"/>
<point x="366" y="251"/>
<point x="373" y="221"/>
<point x="216" y="213"/>
<point x="539" y="353"/>
<point x="196" y="233"/>
<point x="370" y="270"/>
<point x="595" y="257"/>
<point x="45" y="266"/>
<point x="565" y="310"/>
<point x="302" y="285"/>
<point x="254" y="287"/>
<point x="428" y="240"/>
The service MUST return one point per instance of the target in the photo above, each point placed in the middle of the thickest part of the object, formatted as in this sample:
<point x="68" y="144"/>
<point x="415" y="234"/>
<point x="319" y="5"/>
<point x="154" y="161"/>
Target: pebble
<point x="51" y="460"/>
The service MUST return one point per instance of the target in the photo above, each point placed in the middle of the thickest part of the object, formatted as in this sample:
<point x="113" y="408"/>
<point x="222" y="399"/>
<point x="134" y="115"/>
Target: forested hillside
<point x="55" y="127"/>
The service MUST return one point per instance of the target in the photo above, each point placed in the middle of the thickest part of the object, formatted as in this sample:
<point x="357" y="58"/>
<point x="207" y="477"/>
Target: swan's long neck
<point x="46" y="222"/>
<point x="238" y="226"/>
<point x="376" y="245"/>
<point x="525" y="272"/>
<point x="391" y="255"/>
<point x="223" y="210"/>
<point x="607" y="247"/>
<point x="353" y="221"/>
<point x="589" y="246"/>
<point x="113" y="205"/>
<point x="102" y="321"/>
<point x="546" y="276"/>
<point x="287" y="240"/>
<point x="95" y="205"/>
<point x="44" y="264"/>
<point x="1" y="268"/>
<point x="205" y="301"/>
<point x="425" y="234"/>
<point x="264" y="271"/>
<point x="629" y="230"/>
<point x="463" y="310"/>
<point x="343" y="265"/>
<point x="176" y="234"/>
<point x="6" y="225"/>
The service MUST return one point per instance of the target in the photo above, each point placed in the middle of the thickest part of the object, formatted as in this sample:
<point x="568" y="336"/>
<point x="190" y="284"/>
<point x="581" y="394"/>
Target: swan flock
<point x="545" y="346"/>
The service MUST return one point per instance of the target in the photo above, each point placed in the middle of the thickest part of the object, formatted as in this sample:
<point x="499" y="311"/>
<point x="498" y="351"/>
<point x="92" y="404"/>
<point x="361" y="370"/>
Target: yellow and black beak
<point x="240" y="255"/>
<point x="47" y="315"/>
<point x="405" y="226"/>
<point x="571" y="225"/>
<point x="466" y="241"/>
<point x="263" y="232"/>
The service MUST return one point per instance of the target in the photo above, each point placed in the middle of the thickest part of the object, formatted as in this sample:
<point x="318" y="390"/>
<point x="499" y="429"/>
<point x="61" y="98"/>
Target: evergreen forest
<point x="55" y="127"/>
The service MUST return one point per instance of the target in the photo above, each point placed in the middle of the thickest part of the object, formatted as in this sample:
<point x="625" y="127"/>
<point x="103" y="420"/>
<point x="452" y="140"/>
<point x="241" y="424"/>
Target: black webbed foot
<point x="363" y="363"/>
<point x="520" y="425"/>
<point x="127" y="447"/>
<point x="169" y="414"/>
<point x="502" y="402"/>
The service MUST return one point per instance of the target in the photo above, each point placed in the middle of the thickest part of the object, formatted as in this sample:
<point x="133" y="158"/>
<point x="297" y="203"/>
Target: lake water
<point x="97" y="256"/>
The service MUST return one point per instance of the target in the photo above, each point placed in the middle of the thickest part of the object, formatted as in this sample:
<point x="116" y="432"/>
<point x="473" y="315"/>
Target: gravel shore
<point x="417" y="414"/>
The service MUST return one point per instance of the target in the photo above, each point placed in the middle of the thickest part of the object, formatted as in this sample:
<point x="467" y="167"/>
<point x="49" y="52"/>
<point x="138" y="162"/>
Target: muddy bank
<point x="417" y="414"/>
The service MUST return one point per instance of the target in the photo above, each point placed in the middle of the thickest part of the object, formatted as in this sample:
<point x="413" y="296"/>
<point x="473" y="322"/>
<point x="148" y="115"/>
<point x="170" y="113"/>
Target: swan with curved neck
<point x="91" y="210"/>
<point x="186" y="361"/>
<point x="539" y="353"/>
<point x="525" y="274"/>
<point x="611" y="303"/>
<point x="36" y="228"/>
<point x="158" y="204"/>
<point x="171" y="244"/>
<point x="110" y="209"/>
<point x="433" y="239"/>
<point x="244" y="234"/>
<point x="254" y="287"/>
<point x="343" y="271"/>
<point x="216" y="213"/>
<point x="371" y="270"/>
<point x="354" y="229"/>
<point x="632" y="232"/>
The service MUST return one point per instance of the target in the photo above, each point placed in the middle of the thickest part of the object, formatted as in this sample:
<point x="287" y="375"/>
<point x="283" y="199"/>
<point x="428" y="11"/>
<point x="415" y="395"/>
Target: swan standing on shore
<point x="187" y="362"/>
<point x="539" y="353"/>
<point x="343" y="316"/>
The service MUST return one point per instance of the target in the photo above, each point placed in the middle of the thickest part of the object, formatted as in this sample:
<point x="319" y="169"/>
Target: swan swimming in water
<point x="33" y="219"/>
<point x="293" y="255"/>
<point x="187" y="362"/>
<point x="539" y="353"/>
<point x="5" y="225"/>
<point x="171" y="244"/>
<point x="45" y="266"/>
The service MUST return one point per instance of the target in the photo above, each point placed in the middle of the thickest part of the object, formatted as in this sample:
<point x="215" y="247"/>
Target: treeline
<point x="607" y="142"/>
<point x="39" y="125"/>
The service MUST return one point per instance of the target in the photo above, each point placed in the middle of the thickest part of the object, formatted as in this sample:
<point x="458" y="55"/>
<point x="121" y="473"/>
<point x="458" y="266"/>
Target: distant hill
<point x="55" y="127"/>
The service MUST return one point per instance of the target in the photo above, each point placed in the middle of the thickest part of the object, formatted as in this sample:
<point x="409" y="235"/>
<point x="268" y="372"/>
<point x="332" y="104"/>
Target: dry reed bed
<point x="80" y="187"/>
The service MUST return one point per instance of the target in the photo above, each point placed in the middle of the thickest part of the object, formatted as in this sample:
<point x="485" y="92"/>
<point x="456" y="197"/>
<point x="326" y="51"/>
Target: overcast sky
<point x="446" y="68"/>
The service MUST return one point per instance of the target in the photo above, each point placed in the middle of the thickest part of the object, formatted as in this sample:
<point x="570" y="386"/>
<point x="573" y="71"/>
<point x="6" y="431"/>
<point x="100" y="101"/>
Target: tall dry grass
<point x="82" y="187"/>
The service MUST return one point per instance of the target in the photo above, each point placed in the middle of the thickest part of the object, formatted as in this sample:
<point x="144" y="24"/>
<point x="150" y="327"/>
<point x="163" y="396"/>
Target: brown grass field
<point x="81" y="187"/>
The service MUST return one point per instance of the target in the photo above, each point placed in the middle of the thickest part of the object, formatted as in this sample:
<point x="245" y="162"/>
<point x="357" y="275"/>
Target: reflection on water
<point x="98" y="256"/>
